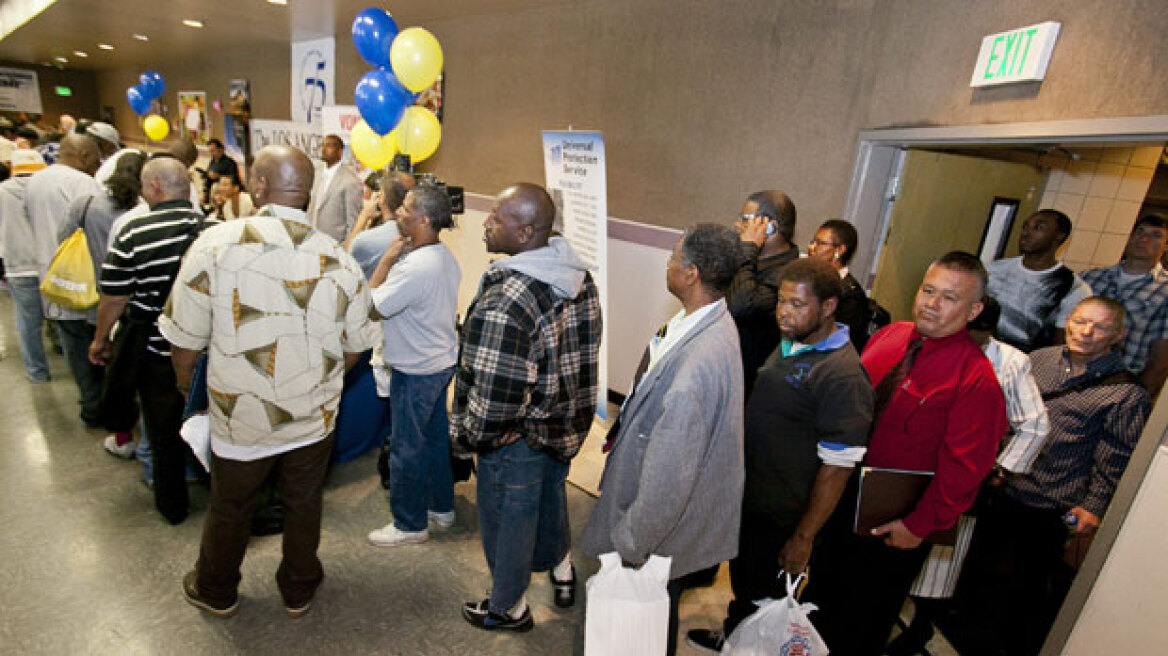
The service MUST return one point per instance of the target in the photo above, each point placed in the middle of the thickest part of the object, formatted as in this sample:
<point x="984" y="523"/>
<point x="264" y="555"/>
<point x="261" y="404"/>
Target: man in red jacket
<point x="939" y="409"/>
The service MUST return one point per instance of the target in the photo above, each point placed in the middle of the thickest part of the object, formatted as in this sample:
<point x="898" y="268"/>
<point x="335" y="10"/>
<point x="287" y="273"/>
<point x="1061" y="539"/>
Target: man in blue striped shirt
<point x="136" y="277"/>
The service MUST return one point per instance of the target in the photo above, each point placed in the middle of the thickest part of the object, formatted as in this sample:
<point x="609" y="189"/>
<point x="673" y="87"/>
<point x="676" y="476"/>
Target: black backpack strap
<point x="1122" y="377"/>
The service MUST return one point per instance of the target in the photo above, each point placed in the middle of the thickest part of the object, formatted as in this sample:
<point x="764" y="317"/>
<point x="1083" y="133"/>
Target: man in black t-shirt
<point x="806" y="428"/>
<point x="220" y="166"/>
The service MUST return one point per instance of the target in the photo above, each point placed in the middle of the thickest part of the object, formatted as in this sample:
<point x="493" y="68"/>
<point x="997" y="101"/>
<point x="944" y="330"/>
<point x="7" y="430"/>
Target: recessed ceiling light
<point x="105" y="46"/>
<point x="278" y="2"/>
<point x="80" y="53"/>
<point x="192" y="23"/>
<point x="61" y="59"/>
<point x="141" y="37"/>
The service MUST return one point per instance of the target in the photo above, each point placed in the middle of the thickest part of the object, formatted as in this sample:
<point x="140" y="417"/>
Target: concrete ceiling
<point x="71" y="25"/>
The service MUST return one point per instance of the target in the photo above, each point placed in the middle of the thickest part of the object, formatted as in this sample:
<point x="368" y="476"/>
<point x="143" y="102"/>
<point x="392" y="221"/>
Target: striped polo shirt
<point x="143" y="260"/>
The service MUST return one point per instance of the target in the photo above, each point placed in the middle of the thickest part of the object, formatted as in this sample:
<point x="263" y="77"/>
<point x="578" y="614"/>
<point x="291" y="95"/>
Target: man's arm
<point x="108" y="311"/>
<point x="1156" y="368"/>
<point x="674" y="450"/>
<point x="351" y="360"/>
<point x="974" y="427"/>
<point x="1121" y="431"/>
<point x="354" y="200"/>
<point x="1026" y="413"/>
<point x="183" y="361"/>
<point x="829" y="486"/>
<point x="496" y="371"/>
<point x="747" y="295"/>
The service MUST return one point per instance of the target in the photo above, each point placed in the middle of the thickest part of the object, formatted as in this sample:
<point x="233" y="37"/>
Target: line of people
<point x="741" y="436"/>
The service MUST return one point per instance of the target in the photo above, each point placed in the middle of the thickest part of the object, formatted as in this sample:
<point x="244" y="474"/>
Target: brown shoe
<point x="190" y="588"/>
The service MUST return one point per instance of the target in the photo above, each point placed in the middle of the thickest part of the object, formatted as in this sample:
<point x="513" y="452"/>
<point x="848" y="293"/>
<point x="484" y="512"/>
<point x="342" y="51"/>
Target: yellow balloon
<point x="155" y="127"/>
<point x="419" y="133"/>
<point x="371" y="149"/>
<point x="416" y="58"/>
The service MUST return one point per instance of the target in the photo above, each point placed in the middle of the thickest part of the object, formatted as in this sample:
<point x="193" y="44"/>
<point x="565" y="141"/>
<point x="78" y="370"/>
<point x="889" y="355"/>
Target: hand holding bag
<point x="628" y="609"/>
<point x="778" y="628"/>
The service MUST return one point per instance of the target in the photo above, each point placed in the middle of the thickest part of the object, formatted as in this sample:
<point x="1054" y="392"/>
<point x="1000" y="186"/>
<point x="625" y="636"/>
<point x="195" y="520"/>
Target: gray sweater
<point x="672" y="485"/>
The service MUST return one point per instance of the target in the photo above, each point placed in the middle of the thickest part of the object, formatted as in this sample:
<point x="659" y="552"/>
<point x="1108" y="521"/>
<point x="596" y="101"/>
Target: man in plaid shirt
<point x="524" y="395"/>
<point x="1141" y="284"/>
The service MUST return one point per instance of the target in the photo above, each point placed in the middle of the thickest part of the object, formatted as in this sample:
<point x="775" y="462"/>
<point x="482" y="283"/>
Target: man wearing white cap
<point x="20" y="262"/>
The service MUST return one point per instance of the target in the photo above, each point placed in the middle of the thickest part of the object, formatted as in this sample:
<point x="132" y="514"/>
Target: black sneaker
<point x="190" y="588"/>
<point x="480" y="616"/>
<point x="564" y="592"/>
<point x="706" y="639"/>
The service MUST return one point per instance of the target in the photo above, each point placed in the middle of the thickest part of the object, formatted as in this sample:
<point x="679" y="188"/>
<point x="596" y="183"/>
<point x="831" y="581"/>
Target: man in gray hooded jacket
<point x="524" y="395"/>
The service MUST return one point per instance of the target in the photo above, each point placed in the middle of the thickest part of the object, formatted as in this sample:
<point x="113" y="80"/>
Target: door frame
<point x="874" y="185"/>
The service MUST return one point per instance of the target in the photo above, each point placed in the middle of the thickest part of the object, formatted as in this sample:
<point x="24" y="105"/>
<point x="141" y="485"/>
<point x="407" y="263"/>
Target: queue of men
<point x="741" y="438"/>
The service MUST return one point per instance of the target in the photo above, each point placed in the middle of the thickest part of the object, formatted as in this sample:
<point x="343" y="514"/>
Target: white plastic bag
<point x="777" y="628"/>
<point x="628" y="609"/>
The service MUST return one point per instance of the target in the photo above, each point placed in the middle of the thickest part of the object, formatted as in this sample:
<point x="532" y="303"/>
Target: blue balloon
<point x="152" y="84"/>
<point x="373" y="32"/>
<point x="138" y="100"/>
<point x="381" y="99"/>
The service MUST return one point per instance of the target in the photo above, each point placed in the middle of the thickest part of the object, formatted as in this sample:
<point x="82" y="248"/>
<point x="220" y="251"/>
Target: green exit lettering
<point x="1010" y="60"/>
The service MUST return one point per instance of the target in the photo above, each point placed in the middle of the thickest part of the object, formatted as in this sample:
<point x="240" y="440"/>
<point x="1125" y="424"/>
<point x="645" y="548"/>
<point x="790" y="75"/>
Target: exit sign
<point x="1019" y="55"/>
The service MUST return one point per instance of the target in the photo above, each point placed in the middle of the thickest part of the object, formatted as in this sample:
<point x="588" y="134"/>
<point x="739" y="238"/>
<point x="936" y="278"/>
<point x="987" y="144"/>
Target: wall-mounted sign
<point x="314" y="65"/>
<point x="20" y="91"/>
<point x="1019" y="55"/>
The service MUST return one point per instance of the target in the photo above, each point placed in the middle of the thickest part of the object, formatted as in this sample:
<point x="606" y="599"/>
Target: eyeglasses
<point x="747" y="217"/>
<point x="820" y="242"/>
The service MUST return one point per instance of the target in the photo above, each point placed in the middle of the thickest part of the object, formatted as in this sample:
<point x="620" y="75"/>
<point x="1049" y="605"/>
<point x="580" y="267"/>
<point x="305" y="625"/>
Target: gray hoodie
<point x="16" y="237"/>
<point x="555" y="264"/>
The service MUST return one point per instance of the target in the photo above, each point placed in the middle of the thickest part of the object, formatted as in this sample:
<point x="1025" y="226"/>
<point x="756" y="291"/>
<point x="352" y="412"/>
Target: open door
<point x="946" y="203"/>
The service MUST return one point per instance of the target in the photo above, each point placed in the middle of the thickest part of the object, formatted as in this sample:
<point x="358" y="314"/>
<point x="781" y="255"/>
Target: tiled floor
<point x="88" y="567"/>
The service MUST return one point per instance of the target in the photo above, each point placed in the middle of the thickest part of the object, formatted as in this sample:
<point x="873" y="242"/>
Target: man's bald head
<point x="184" y="150"/>
<point x="281" y="175"/>
<point x="532" y="205"/>
<point x="79" y="152"/>
<point x="521" y="219"/>
<point x="163" y="179"/>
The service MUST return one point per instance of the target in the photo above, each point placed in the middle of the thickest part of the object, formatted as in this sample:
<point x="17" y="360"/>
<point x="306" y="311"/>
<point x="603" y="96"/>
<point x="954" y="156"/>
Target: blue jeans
<point x="26" y="295"/>
<point x="76" y="336"/>
<point x="419" y="451"/>
<point x="523" y="518"/>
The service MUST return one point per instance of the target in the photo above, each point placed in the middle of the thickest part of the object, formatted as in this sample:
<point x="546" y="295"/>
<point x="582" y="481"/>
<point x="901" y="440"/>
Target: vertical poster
<point x="314" y="66"/>
<point x="192" y="112"/>
<point x="574" y="167"/>
<point x="236" y="135"/>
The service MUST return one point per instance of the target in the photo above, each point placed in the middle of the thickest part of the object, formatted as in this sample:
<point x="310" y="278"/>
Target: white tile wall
<point x="1101" y="192"/>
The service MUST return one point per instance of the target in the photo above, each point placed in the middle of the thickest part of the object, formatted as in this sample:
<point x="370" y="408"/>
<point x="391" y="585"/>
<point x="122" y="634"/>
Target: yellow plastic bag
<point x="70" y="281"/>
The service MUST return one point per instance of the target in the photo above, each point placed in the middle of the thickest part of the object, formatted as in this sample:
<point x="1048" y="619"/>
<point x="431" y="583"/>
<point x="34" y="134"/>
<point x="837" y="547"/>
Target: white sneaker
<point x="392" y="536"/>
<point x="124" y="451"/>
<point x="441" y="520"/>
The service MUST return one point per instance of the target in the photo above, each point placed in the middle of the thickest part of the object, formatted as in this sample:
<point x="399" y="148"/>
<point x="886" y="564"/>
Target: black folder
<point x="889" y="494"/>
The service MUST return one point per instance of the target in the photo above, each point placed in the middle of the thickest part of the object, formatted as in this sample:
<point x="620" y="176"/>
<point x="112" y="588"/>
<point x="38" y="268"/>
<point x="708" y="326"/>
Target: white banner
<point x="574" y="166"/>
<point x="339" y="120"/>
<point x="305" y="136"/>
<point x="314" y="67"/>
<point x="20" y="91"/>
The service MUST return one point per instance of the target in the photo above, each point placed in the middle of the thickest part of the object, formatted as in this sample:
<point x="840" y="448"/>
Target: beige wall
<point x="1101" y="193"/>
<point x="702" y="103"/>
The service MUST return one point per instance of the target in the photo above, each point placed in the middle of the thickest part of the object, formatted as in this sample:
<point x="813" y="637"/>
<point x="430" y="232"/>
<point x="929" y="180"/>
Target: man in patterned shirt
<point x="1097" y="410"/>
<point x="1141" y="284"/>
<point x="525" y="392"/>
<point x="282" y="310"/>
